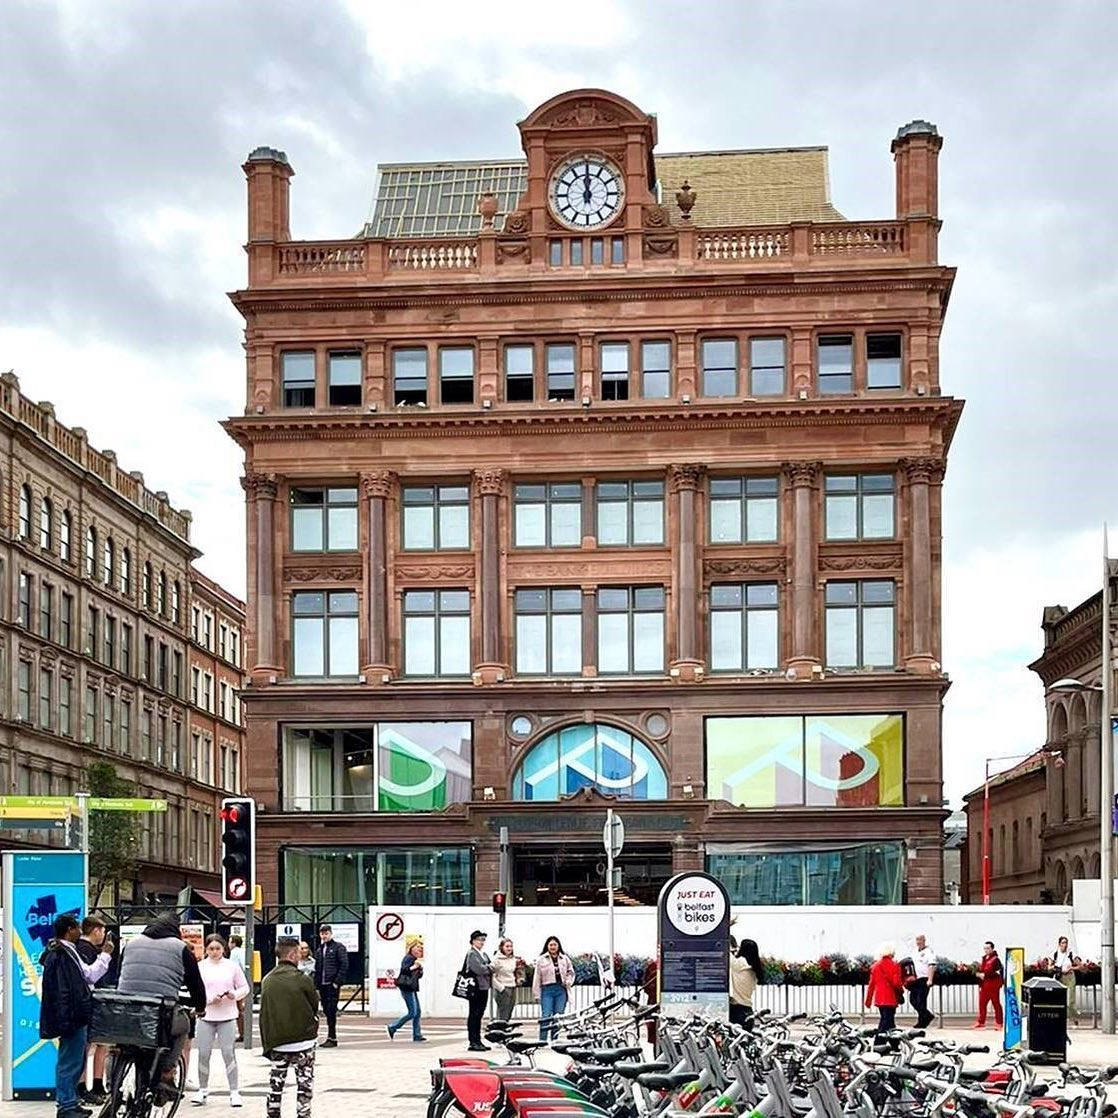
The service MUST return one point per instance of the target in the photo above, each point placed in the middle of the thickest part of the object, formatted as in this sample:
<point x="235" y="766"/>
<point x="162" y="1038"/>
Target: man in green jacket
<point x="289" y="1028"/>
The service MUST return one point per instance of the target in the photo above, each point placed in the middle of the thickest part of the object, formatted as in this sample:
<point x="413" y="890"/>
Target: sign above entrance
<point x="694" y="936"/>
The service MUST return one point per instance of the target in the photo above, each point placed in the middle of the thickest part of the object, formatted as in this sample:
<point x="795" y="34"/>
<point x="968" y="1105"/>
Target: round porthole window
<point x="657" y="725"/>
<point x="521" y="726"/>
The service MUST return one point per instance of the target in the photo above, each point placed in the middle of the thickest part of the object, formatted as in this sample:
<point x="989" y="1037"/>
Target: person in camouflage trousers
<point x="289" y="1028"/>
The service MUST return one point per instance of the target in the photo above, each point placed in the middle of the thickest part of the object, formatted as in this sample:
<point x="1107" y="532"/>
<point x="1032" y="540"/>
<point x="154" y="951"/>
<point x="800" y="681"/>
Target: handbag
<point x="465" y="985"/>
<point x="407" y="980"/>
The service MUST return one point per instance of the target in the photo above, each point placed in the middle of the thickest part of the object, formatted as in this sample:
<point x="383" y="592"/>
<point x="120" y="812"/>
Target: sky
<point x="123" y="127"/>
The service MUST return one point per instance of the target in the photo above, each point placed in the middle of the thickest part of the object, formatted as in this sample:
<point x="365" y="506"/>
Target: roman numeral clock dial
<point x="586" y="192"/>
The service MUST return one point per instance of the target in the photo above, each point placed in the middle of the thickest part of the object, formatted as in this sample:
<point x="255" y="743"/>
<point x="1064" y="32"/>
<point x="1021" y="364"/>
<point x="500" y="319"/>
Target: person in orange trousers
<point x="989" y="986"/>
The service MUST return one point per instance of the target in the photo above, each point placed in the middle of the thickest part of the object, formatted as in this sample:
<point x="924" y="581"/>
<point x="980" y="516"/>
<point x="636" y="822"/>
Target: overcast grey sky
<point x="123" y="127"/>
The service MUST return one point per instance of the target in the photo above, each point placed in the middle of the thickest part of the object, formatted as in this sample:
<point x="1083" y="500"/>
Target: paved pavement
<point x="368" y="1076"/>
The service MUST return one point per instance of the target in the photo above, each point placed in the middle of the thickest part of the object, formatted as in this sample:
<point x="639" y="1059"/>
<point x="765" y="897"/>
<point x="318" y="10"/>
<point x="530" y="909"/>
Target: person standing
<point x="480" y="969"/>
<point x="553" y="979"/>
<point x="305" y="962"/>
<point x="89" y="948"/>
<point x="67" y="1002"/>
<point x="989" y="986"/>
<point x="885" y="988"/>
<point x="237" y="954"/>
<point x="226" y="988"/>
<point x="746" y="973"/>
<point x="407" y="982"/>
<point x="289" y="1028"/>
<point x="504" y="980"/>
<point x="331" y="967"/>
<point x="1063" y="969"/>
<point x="924" y="964"/>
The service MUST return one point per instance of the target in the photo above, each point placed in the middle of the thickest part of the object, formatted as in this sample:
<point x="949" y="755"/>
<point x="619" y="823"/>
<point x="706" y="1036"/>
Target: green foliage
<point x="114" y="836"/>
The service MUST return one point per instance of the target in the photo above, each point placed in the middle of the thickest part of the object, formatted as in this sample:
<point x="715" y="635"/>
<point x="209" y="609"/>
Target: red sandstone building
<point x="598" y="477"/>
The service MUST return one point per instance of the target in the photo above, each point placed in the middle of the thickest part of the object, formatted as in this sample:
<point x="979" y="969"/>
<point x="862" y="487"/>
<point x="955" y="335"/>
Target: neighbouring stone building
<point x="600" y="476"/>
<point x="96" y="595"/>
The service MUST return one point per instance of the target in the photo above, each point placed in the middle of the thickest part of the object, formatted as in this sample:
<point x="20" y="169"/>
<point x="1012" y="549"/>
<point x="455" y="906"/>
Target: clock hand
<point x="586" y="189"/>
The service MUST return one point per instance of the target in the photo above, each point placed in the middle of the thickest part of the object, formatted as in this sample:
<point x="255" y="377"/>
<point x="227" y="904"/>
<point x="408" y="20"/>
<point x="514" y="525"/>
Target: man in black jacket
<point x="331" y="967"/>
<point x="67" y="1001"/>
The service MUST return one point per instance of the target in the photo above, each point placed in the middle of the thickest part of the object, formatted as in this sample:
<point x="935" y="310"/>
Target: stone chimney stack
<point x="268" y="174"/>
<point x="916" y="155"/>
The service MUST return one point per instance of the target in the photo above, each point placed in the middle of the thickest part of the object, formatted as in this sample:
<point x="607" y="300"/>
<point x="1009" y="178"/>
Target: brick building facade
<point x="597" y="477"/>
<point x="96" y="591"/>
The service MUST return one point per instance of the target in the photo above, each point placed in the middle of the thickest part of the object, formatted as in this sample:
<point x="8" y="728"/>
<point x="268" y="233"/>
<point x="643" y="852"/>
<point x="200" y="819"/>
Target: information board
<point x="37" y="888"/>
<point x="694" y="951"/>
<point x="1014" y="984"/>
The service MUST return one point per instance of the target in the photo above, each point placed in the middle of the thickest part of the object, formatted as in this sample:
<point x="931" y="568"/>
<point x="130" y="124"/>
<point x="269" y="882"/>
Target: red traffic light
<point x="499" y="901"/>
<point x="232" y="813"/>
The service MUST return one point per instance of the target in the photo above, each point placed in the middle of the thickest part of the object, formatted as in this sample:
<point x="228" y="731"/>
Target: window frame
<point x="437" y="613"/>
<point x="601" y="373"/>
<point x="744" y="499"/>
<point x="66" y="537"/>
<point x="447" y="348"/>
<point x="666" y="340"/>
<point x="548" y="500"/>
<point x="301" y="384"/>
<point x="324" y="507"/>
<point x="436" y="504"/>
<point x="325" y="616"/>
<point x="859" y="607"/>
<point x="46" y="524"/>
<point x="744" y="609"/>
<point x="630" y="501"/>
<point x="25" y="511"/>
<point x="393" y="353"/>
<point x="859" y="336"/>
<point x="342" y="352"/>
<point x="532" y="347"/>
<point x="859" y="494"/>
<point x="630" y="612"/>
<point x="548" y="613"/>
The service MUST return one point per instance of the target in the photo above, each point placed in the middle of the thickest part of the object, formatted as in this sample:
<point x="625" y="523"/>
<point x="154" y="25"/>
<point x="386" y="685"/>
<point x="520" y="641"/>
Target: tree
<point x="114" y="836"/>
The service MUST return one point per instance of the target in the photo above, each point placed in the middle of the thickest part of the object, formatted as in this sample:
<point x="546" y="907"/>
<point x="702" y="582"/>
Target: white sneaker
<point x="235" y="1098"/>
<point x="199" y="1098"/>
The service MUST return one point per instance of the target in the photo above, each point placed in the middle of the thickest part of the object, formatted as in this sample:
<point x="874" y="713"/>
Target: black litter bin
<point x="1046" y="1013"/>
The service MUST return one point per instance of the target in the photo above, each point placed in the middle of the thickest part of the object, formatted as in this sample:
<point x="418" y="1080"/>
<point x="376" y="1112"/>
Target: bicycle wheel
<point x="177" y="1084"/>
<point x="121" y="1102"/>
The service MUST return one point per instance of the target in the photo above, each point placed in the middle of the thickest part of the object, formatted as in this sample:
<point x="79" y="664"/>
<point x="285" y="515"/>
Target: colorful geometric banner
<point x="1014" y="981"/>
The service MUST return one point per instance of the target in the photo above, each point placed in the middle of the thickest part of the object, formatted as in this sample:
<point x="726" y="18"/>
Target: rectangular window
<point x="298" y="379"/>
<point x="456" y="375"/>
<point x="66" y="621"/>
<point x="208" y="631"/>
<point x="836" y="363"/>
<point x="409" y="376"/>
<point x="630" y="629"/>
<point x="46" y="610"/>
<point x="860" y="624"/>
<point x="720" y="367"/>
<point x="176" y="746"/>
<point x="597" y="251"/>
<point x="46" y="694"/>
<point x="436" y="517"/>
<point x="107" y="708"/>
<point x="126" y="649"/>
<point x="617" y="250"/>
<point x="883" y="360"/>
<point x="207" y="692"/>
<point x="25" y="690"/>
<point x="548" y="515"/>
<point x="161" y="742"/>
<point x="90" y="726"/>
<point x="766" y="366"/>
<point x="222" y="640"/>
<point x="344" y="378"/>
<point x="149" y="659"/>
<point x="195" y="622"/>
<point x="110" y="641"/>
<point x="93" y="624"/>
<point x="744" y="509"/>
<point x="549" y="632"/>
<point x="834" y="760"/>
<point x="125" y="726"/>
<point x="859" y="507"/>
<point x="323" y="520"/>
<point x="615" y="370"/>
<point x="555" y="253"/>
<point x="630" y="512"/>
<point x="325" y="633"/>
<point x="576" y="254"/>
<point x="162" y="666"/>
<point x="196" y="756"/>
<point x="195" y="678"/>
<point x="656" y="370"/>
<point x="437" y="633"/>
<point x="520" y="373"/>
<point x="744" y="627"/>
<point x="65" y="726"/>
<point x="176" y="674"/>
<point x="145" y="735"/>
<point x="25" y="599"/>
<point x="223" y="699"/>
<point x="560" y="363"/>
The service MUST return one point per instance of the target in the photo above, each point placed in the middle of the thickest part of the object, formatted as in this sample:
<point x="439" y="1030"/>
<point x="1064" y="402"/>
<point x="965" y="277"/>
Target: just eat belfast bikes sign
<point x="694" y="937"/>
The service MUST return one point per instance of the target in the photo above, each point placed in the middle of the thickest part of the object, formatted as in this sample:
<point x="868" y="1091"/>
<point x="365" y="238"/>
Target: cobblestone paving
<point x="368" y="1076"/>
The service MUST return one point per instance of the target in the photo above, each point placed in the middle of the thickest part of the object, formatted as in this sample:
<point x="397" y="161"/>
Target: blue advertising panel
<point x="1014" y="984"/>
<point x="37" y="888"/>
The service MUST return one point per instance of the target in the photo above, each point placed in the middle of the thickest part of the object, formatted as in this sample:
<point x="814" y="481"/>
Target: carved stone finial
<point x="487" y="207"/>
<point x="378" y="483"/>
<point x="490" y="481"/>
<point x="685" y="198"/>
<point x="686" y="476"/>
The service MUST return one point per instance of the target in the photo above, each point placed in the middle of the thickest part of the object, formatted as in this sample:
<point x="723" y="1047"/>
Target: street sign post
<point x="613" y="838"/>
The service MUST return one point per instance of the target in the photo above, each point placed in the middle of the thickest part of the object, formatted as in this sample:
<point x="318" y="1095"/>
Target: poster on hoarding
<point x="194" y="936"/>
<point x="694" y="936"/>
<point x="38" y="888"/>
<point x="1014" y="982"/>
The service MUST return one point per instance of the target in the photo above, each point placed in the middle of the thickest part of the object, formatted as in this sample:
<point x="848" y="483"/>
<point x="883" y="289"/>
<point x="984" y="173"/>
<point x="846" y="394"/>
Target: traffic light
<point x="238" y="840"/>
<point x="499" y="900"/>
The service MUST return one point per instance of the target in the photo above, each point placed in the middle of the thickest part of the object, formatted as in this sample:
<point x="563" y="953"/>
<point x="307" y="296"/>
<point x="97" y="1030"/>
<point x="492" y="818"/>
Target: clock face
<point x="586" y="192"/>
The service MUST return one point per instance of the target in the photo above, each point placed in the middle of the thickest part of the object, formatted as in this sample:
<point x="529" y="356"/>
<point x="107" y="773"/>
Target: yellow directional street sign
<point x="45" y="812"/>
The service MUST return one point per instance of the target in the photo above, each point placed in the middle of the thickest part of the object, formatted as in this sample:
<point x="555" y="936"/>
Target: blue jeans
<point x="553" y="1002"/>
<point x="71" y="1065"/>
<point x="411" y="1000"/>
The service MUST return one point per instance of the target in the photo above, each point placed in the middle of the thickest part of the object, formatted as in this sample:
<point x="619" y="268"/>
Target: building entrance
<point x="576" y="875"/>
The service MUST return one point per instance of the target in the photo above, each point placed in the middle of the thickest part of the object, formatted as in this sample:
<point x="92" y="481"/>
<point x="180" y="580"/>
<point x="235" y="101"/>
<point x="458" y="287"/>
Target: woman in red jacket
<point x="885" y="988"/>
<point x="989" y="986"/>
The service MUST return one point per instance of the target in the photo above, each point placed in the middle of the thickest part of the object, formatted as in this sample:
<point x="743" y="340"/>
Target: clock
<point x="586" y="192"/>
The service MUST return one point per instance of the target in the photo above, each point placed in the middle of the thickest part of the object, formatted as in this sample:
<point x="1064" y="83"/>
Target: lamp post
<point x="986" y="811"/>
<point x="1106" y="799"/>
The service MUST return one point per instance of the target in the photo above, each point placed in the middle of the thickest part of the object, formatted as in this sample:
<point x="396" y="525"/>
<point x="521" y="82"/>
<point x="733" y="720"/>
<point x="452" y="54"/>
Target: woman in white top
<point x="1063" y="966"/>
<point x="504" y="980"/>
<point x="225" y="987"/>
<point x="305" y="962"/>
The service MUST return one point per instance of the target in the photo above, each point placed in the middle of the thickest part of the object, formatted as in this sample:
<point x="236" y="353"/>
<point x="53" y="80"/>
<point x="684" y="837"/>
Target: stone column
<point x="261" y="492"/>
<point x="376" y="490"/>
<point x="919" y="653"/>
<point x="688" y="665"/>
<point x="489" y="484"/>
<point x="805" y="657"/>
